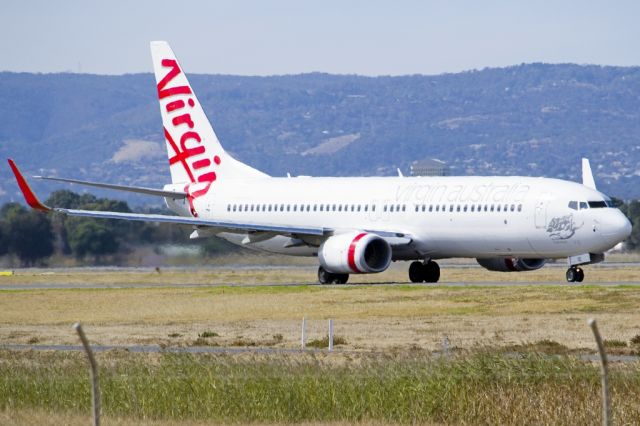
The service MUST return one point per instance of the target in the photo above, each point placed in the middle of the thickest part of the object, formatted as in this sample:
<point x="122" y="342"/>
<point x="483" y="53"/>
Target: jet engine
<point x="355" y="252"/>
<point x="511" y="264"/>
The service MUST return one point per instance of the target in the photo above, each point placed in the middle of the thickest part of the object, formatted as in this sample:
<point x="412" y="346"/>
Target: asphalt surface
<point x="58" y="286"/>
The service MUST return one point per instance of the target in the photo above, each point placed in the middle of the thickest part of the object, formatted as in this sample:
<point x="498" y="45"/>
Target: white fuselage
<point x="479" y="217"/>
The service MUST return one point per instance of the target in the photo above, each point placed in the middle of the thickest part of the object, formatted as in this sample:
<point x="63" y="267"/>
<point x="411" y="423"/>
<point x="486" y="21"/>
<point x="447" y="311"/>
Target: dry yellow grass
<point x="368" y="317"/>
<point x="397" y="273"/>
<point x="31" y="417"/>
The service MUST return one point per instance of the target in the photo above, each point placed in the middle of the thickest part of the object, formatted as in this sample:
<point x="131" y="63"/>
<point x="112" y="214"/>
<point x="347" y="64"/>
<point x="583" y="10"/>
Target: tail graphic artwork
<point x="196" y="157"/>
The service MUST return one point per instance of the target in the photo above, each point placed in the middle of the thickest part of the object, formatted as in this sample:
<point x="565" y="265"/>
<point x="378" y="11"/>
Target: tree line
<point x="32" y="236"/>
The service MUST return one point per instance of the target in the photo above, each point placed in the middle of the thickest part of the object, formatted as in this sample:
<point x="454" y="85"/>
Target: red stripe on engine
<point x="351" y="256"/>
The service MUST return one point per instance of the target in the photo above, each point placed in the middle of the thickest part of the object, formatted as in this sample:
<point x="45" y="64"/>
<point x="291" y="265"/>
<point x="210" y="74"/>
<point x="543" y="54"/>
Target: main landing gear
<point x="326" y="277"/>
<point x="428" y="272"/>
<point x="575" y="274"/>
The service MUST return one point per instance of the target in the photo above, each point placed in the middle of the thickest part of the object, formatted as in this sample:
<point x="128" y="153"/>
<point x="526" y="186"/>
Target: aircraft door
<point x="540" y="217"/>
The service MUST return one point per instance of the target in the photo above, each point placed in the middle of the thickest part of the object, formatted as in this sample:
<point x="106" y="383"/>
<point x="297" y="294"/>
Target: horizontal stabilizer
<point x="137" y="189"/>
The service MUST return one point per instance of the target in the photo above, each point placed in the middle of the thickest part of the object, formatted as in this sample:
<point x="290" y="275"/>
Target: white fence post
<point x="604" y="375"/>
<point x="303" y="338"/>
<point x="95" y="387"/>
<point x="330" y="334"/>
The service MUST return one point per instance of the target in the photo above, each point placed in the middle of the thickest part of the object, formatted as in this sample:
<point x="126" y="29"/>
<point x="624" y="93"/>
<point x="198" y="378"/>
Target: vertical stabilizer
<point x="587" y="176"/>
<point x="195" y="153"/>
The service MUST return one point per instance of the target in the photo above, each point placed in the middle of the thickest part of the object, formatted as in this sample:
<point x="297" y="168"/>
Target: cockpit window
<point x="573" y="205"/>
<point x="609" y="203"/>
<point x="597" y="204"/>
<point x="583" y="205"/>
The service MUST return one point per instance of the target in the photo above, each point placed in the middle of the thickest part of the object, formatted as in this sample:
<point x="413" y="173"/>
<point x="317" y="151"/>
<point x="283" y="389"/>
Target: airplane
<point x="359" y="225"/>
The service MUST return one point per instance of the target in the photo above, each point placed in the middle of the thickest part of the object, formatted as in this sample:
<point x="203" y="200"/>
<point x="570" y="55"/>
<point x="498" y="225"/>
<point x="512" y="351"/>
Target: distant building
<point x="429" y="167"/>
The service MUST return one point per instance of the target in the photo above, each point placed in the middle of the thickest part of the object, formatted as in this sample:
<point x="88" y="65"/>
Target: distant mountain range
<point x="534" y="119"/>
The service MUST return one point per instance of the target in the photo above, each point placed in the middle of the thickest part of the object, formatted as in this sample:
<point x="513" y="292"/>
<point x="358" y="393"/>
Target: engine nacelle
<point x="511" y="264"/>
<point x="355" y="253"/>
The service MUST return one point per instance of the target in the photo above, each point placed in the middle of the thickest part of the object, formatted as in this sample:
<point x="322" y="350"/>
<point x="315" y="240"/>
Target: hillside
<point x="531" y="119"/>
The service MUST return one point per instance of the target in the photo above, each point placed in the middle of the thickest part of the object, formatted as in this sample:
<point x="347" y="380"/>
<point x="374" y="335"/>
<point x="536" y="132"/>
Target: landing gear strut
<point x="575" y="274"/>
<point x="326" y="277"/>
<point x="428" y="272"/>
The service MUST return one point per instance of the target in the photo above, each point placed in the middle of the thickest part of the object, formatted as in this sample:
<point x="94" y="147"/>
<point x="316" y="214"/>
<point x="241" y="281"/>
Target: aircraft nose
<point x="616" y="227"/>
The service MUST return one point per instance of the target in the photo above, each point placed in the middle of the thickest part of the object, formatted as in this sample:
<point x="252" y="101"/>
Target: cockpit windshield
<point x="597" y="204"/>
<point x="583" y="205"/>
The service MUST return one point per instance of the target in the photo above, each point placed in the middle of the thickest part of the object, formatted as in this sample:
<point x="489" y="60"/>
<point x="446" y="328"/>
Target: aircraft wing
<point x="394" y="238"/>
<point x="137" y="189"/>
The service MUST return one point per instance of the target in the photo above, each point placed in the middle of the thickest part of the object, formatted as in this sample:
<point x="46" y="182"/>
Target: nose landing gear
<point x="575" y="274"/>
<point x="428" y="272"/>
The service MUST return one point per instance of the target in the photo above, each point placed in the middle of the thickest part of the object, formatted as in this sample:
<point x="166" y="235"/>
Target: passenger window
<point x="359" y="207"/>
<point x="430" y="208"/>
<point x="228" y="207"/>
<point x="437" y="207"/>
<point x="458" y="208"/>
<point x="513" y="207"/>
<point x="465" y="208"/>
<point x="498" y="208"/>
<point x="519" y="207"/>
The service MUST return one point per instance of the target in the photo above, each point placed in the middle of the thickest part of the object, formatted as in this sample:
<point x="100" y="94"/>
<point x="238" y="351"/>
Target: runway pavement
<point x="60" y="286"/>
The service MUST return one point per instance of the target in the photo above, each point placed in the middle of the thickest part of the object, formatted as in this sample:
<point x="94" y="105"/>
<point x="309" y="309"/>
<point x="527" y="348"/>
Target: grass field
<point x="477" y="387"/>
<point x="369" y="317"/>
<point x="387" y="375"/>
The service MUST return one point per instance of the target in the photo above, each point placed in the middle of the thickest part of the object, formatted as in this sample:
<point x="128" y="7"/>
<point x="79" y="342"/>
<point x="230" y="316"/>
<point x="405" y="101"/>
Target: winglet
<point x="587" y="176"/>
<point x="27" y="192"/>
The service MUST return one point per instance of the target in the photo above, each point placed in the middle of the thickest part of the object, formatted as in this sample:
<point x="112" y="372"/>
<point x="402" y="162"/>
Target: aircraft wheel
<point x="324" y="277"/>
<point x="341" y="278"/>
<point x="416" y="272"/>
<point x="431" y="272"/>
<point x="580" y="276"/>
<point x="572" y="274"/>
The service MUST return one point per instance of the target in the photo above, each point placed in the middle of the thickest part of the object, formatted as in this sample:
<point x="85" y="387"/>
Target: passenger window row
<point x="391" y="208"/>
<point x="464" y="208"/>
<point x="300" y="207"/>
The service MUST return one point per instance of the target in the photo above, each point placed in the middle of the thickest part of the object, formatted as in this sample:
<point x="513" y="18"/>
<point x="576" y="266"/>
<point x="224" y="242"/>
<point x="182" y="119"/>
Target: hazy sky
<point x="372" y="37"/>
